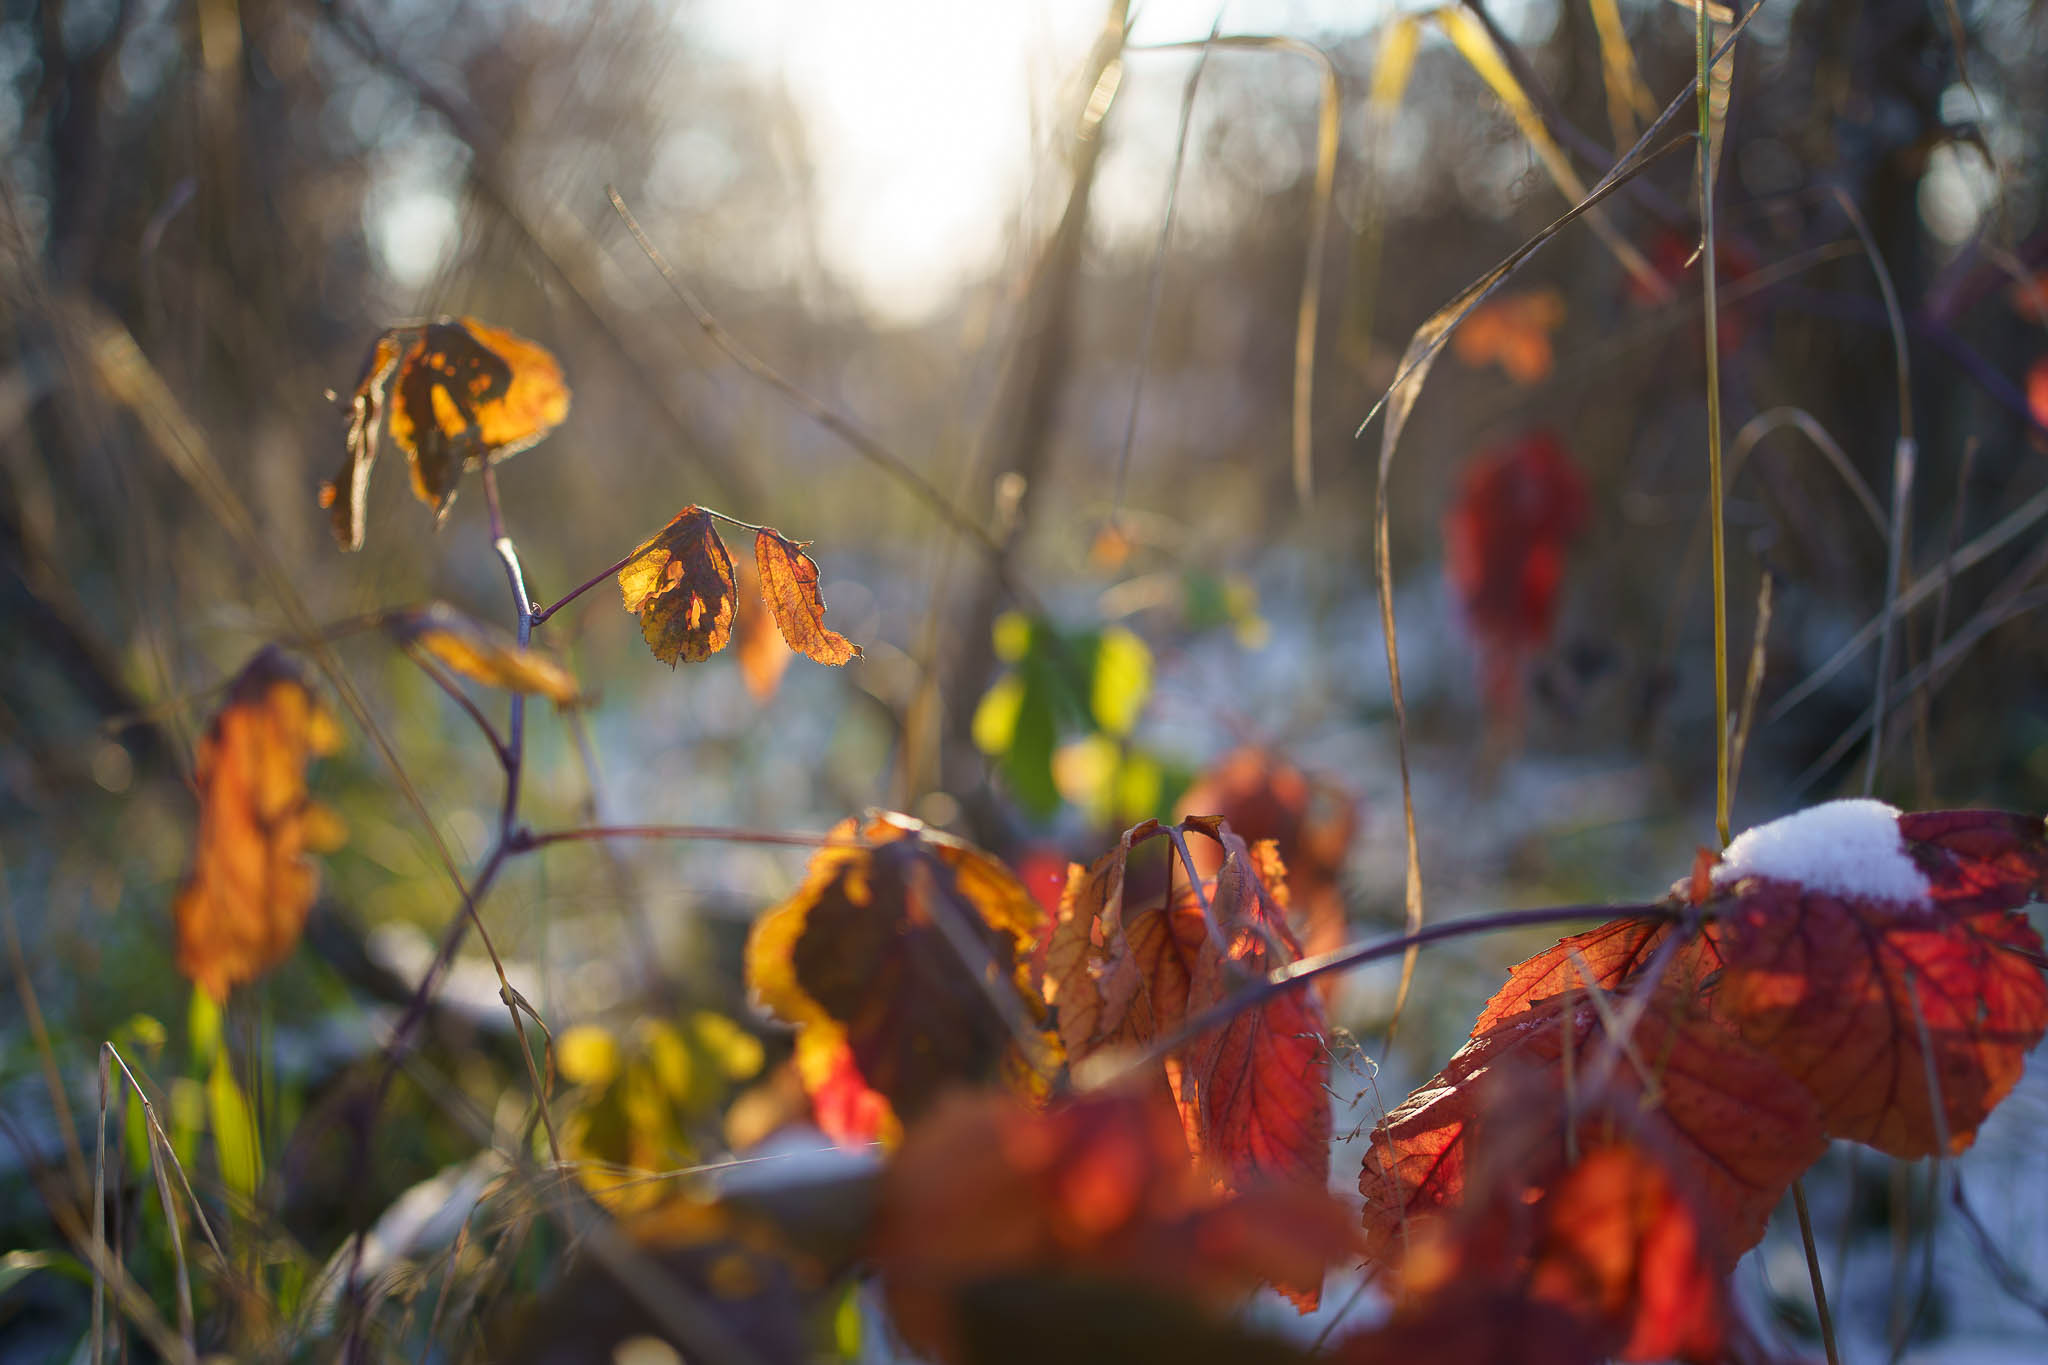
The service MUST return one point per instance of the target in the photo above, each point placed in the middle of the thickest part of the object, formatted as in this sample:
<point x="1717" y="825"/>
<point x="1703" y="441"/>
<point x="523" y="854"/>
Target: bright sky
<point x="921" y="111"/>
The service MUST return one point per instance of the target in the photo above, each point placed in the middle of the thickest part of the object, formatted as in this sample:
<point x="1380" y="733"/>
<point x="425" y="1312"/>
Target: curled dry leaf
<point x="480" y="652"/>
<point x="1873" y="954"/>
<point x="789" y="583"/>
<point x="912" y="950"/>
<point x="679" y="583"/>
<point x="242" y="907"/>
<point x="1311" y="822"/>
<point x="461" y="394"/>
<point x="1126" y="976"/>
<point x="1098" y="1188"/>
<point x="1724" y="1117"/>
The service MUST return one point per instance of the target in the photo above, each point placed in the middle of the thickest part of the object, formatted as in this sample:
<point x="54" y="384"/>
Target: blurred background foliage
<point x="896" y="206"/>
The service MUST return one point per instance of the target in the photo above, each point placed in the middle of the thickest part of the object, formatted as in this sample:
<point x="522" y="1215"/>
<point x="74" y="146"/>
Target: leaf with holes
<point x="679" y="583"/>
<point x="243" y="905"/>
<point x="461" y="394"/>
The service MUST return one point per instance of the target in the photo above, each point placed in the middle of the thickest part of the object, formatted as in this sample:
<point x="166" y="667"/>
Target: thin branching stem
<point x="527" y="840"/>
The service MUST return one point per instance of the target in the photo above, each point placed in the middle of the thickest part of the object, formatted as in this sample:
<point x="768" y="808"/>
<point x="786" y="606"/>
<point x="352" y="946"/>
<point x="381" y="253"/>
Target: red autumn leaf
<point x="1725" y="1117"/>
<point x="1617" y="1242"/>
<point x="1519" y="506"/>
<point x="1098" y="1188"/>
<point x="1612" y="1241"/>
<point x="789" y="584"/>
<point x="911" y="950"/>
<point x="1880" y="961"/>
<point x="1262" y="796"/>
<point x="1476" y="1324"/>
<point x="2037" y="390"/>
<point x="1613" y="954"/>
<point x="1125" y="977"/>
<point x="679" y="583"/>
<point x="242" y="907"/>
<point x="1514" y="330"/>
<point x="2029" y="297"/>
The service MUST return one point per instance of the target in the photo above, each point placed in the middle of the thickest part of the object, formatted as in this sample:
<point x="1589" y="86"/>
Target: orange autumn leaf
<point x="479" y="652"/>
<point x="1882" y="961"/>
<point x="763" y="654"/>
<point x="1310" y="821"/>
<point x="2037" y="390"/>
<point x="1514" y="331"/>
<point x="1727" y="1119"/>
<point x="461" y="394"/>
<point x="243" y="905"/>
<point x="913" y="950"/>
<point x="1126" y="976"/>
<point x="1097" y="1188"/>
<point x="679" y="583"/>
<point x="789" y="583"/>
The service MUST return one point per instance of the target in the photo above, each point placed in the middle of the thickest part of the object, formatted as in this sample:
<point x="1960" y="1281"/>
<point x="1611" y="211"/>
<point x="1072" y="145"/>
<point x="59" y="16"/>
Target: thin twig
<point x="1820" y="1293"/>
<point x="1716" y="490"/>
<point x="526" y="840"/>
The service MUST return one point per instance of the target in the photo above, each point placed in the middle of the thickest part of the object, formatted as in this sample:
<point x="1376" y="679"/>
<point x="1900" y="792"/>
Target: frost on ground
<point x="1844" y="848"/>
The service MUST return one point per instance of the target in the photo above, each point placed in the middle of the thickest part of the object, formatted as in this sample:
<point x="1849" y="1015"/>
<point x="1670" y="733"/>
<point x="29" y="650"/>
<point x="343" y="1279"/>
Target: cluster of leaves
<point x="1107" y="1118"/>
<point x="1847" y="972"/>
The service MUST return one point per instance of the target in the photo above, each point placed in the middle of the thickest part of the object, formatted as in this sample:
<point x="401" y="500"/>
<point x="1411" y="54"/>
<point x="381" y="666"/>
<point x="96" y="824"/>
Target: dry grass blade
<point x="1764" y="423"/>
<point x="1987" y="543"/>
<point x="1627" y="97"/>
<point x="1328" y="122"/>
<point x="1398" y="401"/>
<point x="1752" y="686"/>
<point x="1470" y="35"/>
<point x="1904" y="459"/>
<point x="1717" y="489"/>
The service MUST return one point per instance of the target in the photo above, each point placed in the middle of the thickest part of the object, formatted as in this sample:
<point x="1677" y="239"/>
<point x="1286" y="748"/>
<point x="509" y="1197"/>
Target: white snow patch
<point x="1844" y="848"/>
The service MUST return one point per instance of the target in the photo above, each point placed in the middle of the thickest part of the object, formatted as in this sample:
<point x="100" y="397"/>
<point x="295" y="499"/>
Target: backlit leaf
<point x="914" y="949"/>
<point x="1125" y="976"/>
<point x="244" y="903"/>
<point x="233" y="1123"/>
<point x="1725" y="1118"/>
<point x="789" y="582"/>
<point x="1310" y="821"/>
<point x="764" y="655"/>
<point x="480" y="652"/>
<point x="456" y="394"/>
<point x="1871" y="953"/>
<point x="679" y="583"/>
<point x="1096" y="1189"/>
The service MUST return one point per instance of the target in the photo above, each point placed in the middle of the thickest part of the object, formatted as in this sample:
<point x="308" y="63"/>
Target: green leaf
<point x="233" y="1122"/>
